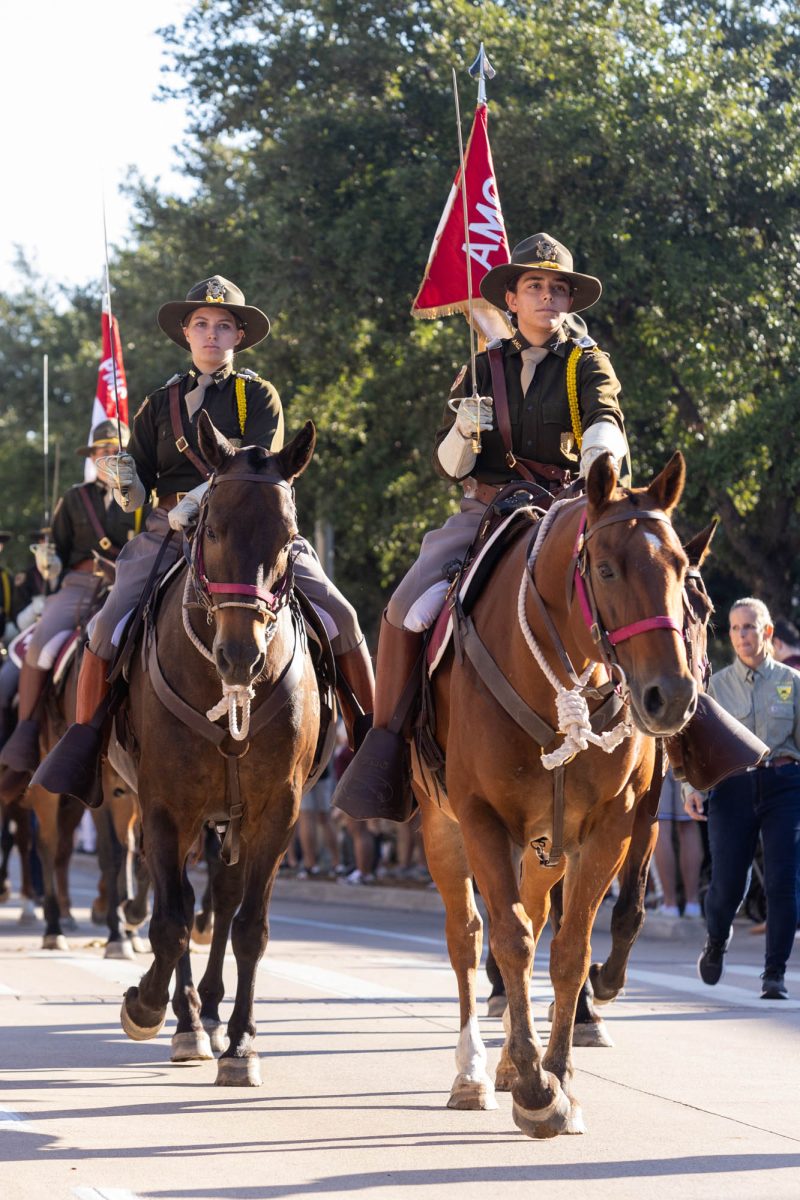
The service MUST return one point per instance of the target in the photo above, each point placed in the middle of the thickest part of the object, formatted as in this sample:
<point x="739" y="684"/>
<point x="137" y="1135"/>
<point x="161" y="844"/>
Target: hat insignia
<point x="215" y="292"/>
<point x="546" y="251"/>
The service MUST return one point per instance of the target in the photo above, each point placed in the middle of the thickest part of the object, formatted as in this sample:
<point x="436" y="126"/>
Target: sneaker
<point x="773" y="986"/>
<point x="710" y="964"/>
<point x="666" y="910"/>
<point x="692" y="910"/>
<point x="302" y="874"/>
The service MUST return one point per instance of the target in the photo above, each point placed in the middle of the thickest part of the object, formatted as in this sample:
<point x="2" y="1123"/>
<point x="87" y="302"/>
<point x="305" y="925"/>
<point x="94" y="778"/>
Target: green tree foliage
<point x="659" y="141"/>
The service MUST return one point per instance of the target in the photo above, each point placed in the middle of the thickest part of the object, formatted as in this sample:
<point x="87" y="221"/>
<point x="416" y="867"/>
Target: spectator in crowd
<point x="679" y="852"/>
<point x="315" y="826"/>
<point x="786" y="643"/>
<point x="765" y="696"/>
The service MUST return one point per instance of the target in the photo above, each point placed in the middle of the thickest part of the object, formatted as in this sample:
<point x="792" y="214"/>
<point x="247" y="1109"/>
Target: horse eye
<point x="210" y="534"/>
<point x="605" y="571"/>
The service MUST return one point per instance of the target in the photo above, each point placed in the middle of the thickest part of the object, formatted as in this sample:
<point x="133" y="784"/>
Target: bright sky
<point x="79" y="79"/>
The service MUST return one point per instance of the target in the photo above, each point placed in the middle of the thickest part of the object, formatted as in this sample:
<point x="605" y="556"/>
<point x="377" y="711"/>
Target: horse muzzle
<point x="663" y="706"/>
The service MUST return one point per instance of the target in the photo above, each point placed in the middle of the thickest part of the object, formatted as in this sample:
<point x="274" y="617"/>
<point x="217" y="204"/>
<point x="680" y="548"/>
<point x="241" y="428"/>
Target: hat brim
<point x="82" y="451"/>
<point x="494" y="284"/>
<point x="172" y="317"/>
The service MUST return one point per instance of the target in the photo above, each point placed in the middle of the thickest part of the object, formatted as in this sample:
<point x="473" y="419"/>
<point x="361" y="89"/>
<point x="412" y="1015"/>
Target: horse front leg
<point x="70" y="812"/>
<point x="45" y="806"/>
<point x="608" y="979"/>
<point x="589" y="873"/>
<point x="144" y="1007"/>
<point x="447" y="863"/>
<point x="238" y="1066"/>
<point x="226" y="895"/>
<point x="540" y="1108"/>
<point x="590" y="1028"/>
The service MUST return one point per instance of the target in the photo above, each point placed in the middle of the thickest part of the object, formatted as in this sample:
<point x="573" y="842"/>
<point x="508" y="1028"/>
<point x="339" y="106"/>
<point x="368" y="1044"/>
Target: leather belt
<point x="169" y="502"/>
<point x="486" y="492"/>
<point x="785" y="760"/>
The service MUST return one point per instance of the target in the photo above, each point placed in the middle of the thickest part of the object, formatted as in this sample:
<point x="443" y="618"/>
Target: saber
<point x="46" y="441"/>
<point x="107" y="300"/>
<point x="476" y="437"/>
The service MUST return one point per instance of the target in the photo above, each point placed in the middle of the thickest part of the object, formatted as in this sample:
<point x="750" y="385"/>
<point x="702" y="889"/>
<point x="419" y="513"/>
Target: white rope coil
<point x="574" y="719"/>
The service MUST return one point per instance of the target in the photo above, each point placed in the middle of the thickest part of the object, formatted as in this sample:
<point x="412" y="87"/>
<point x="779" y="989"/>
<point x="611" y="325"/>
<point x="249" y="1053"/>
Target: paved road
<point x="357" y="1026"/>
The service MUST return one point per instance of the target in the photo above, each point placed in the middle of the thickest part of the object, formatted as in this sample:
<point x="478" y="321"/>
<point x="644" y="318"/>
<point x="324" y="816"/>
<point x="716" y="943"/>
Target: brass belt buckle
<point x="182" y="445"/>
<point x="105" y="543"/>
<point x="180" y="496"/>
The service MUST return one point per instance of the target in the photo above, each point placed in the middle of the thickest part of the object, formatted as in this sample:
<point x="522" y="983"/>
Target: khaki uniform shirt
<point x="766" y="699"/>
<point x="159" y="462"/>
<point x="541" y="426"/>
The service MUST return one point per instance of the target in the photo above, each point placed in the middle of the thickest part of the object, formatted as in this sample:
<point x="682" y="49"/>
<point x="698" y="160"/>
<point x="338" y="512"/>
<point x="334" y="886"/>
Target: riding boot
<point x="376" y="783"/>
<point x="355" y="667"/>
<point x="73" y="766"/>
<point x="20" y="754"/>
<point x="713" y="746"/>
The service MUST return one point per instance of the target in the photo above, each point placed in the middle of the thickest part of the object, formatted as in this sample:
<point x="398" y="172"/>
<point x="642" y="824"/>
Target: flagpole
<point x="46" y="441"/>
<point x="476" y="437"/>
<point x="107" y="299"/>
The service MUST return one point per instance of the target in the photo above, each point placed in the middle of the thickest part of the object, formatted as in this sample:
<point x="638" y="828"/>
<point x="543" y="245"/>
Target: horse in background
<point x="596" y="599"/>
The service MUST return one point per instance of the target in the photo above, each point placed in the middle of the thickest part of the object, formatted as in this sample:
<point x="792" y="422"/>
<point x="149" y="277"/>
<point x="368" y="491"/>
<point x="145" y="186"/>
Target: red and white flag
<point x="444" y="286"/>
<point x="108" y="400"/>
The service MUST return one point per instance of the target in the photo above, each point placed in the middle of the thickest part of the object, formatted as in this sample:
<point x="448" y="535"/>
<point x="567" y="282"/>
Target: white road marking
<point x="374" y="931"/>
<point x="726" y="992"/>
<point x="332" y="982"/>
<point x="12" y="1121"/>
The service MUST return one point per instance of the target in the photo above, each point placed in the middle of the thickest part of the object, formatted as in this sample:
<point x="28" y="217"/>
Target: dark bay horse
<point x="609" y="571"/>
<point x="233" y="627"/>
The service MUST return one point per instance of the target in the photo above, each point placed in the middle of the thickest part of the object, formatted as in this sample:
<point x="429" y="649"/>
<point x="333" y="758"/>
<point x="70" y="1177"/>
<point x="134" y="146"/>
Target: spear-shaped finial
<point x="482" y="70"/>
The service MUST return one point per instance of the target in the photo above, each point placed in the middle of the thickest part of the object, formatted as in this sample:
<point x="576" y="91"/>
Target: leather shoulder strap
<point x="103" y="540"/>
<point x="500" y="394"/>
<point x="177" y="432"/>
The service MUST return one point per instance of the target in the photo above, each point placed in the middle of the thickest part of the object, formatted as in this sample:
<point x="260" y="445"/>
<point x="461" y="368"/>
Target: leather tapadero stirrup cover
<point x="713" y="746"/>
<point x="376" y="783"/>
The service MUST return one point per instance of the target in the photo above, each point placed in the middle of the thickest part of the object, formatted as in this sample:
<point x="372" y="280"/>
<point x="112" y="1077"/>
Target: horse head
<point x="242" y="547"/>
<point x="634" y="568"/>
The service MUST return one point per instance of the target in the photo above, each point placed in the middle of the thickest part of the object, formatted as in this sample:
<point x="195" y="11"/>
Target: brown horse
<point x="235" y="627"/>
<point x="609" y="572"/>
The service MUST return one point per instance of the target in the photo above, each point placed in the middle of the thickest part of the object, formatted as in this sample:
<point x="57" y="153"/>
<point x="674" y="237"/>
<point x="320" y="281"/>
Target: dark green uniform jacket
<point x="73" y="532"/>
<point x="159" y="462"/>
<point x="541" y="428"/>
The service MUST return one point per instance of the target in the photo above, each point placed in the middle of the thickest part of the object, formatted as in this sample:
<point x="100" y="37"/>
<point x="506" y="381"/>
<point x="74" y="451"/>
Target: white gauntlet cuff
<point x="456" y="454"/>
<point x="134" y="495"/>
<point x="601" y="437"/>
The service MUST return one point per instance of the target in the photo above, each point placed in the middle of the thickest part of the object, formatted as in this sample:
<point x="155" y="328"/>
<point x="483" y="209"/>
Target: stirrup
<point x="72" y="768"/>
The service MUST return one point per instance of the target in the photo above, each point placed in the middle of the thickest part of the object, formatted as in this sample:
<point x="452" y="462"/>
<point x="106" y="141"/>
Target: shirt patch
<point x="459" y="378"/>
<point x="784" y="691"/>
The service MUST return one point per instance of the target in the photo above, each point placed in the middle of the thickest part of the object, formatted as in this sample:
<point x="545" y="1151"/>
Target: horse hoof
<point x="216" y="1035"/>
<point x="28" y="914"/>
<point x="138" y="1033"/>
<point x="505" y="1077"/>
<point x="472" y="1094"/>
<point x="187" y="1047"/>
<point x="591" y="1033"/>
<point x="202" y="929"/>
<point x="54" y="941"/>
<point x="496" y="1006"/>
<point x="69" y="924"/>
<point x="120" y="949"/>
<point x="546" y="1122"/>
<point x="239" y="1072"/>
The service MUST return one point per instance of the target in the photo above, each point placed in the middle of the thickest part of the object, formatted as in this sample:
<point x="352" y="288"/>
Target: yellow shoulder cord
<point x="137" y="520"/>
<point x="572" y="393"/>
<point x="241" y="403"/>
<point x="6" y="594"/>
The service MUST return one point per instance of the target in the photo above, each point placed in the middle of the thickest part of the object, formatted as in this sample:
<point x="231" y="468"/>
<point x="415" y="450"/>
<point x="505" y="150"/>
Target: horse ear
<point x="294" y="458"/>
<point x="602" y="481"/>
<point x="667" y="487"/>
<point x="214" y="446"/>
<point x="697" y="549"/>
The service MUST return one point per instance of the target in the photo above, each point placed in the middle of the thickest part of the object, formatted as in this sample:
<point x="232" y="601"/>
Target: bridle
<point x="264" y="602"/>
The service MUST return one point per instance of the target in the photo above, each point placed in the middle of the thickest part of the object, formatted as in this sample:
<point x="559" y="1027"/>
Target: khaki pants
<point x="63" y="612"/>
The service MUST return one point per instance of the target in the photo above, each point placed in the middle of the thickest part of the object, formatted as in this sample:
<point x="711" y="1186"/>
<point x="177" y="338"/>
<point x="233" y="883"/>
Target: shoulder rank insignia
<point x="585" y="342"/>
<point x="246" y="373"/>
<point x="174" y="379"/>
<point x="459" y="378"/>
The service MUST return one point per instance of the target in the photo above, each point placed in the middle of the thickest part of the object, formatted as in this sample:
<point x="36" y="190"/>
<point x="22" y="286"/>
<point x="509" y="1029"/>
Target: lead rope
<point x="233" y="697"/>
<point x="574" y="719"/>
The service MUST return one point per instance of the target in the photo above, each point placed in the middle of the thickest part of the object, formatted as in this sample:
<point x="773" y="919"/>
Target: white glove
<point x="48" y="564"/>
<point x="185" y="513"/>
<point x="474" y="412"/>
<point x="601" y="437"/>
<point x="117" y="471"/>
